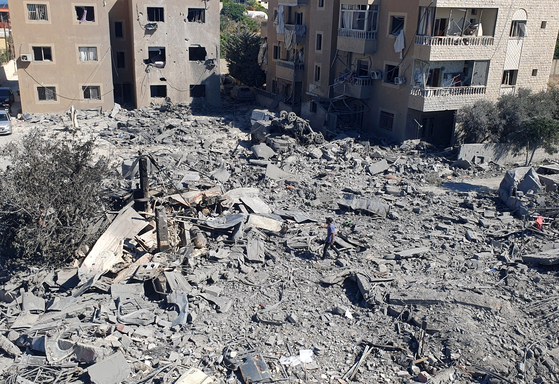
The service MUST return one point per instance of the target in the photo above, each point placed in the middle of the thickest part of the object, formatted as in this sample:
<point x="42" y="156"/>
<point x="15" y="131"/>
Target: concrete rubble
<point x="217" y="276"/>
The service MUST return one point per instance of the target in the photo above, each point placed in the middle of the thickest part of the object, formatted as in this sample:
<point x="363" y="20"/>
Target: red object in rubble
<point x="539" y="223"/>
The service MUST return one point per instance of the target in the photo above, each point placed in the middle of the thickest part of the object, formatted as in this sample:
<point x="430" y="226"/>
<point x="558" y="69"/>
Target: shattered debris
<point x="212" y="270"/>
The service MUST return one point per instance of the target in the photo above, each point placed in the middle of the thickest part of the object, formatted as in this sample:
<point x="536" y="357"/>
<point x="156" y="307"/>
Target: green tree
<point x="233" y="11"/>
<point x="538" y="132"/>
<point x="253" y="5"/>
<point x="241" y="53"/>
<point x="48" y="198"/>
<point x="479" y="123"/>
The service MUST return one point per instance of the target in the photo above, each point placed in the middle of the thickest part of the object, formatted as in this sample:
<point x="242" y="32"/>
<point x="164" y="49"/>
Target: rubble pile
<point x="217" y="275"/>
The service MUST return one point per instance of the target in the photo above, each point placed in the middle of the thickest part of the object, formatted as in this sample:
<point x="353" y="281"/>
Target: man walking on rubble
<point x="329" y="242"/>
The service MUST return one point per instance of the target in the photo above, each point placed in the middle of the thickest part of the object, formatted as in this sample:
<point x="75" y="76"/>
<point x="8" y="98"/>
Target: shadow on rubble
<point x="353" y="294"/>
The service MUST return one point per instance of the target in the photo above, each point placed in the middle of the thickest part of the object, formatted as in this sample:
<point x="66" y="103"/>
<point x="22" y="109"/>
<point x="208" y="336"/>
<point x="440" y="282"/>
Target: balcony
<point x="296" y="32"/>
<point x="507" y="90"/>
<point x="357" y="41"/>
<point x="357" y="87"/>
<point x="454" y="40"/>
<point x="290" y="71"/>
<point x="297" y="3"/>
<point x="430" y="99"/>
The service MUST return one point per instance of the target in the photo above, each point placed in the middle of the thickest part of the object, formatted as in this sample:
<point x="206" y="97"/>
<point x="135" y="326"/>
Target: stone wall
<point x="501" y="154"/>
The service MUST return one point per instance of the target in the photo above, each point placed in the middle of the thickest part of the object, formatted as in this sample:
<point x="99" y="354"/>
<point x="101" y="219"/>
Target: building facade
<point x="402" y="69"/>
<point x="90" y="54"/>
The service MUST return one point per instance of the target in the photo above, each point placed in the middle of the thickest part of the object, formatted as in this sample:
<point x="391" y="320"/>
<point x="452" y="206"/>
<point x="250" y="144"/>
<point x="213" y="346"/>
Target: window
<point x="319" y="41"/>
<point x="299" y="18"/>
<point x="544" y="25"/>
<point x="197" y="54"/>
<point x="155" y="14"/>
<point x="119" y="29"/>
<point x="317" y="73"/>
<point x="359" y="17"/>
<point x="46" y="93"/>
<point x="196" y="15"/>
<point x="320" y="3"/>
<point x="386" y="120"/>
<point x="155" y="54"/>
<point x="274" y="87"/>
<point x="276" y="54"/>
<point x="396" y="24"/>
<point x="390" y="73"/>
<point x="518" y="28"/>
<point x="534" y="72"/>
<point x="37" y="12"/>
<point x="313" y="107"/>
<point x="84" y="14"/>
<point x="42" y="54"/>
<point x="88" y="53"/>
<point x="509" y="77"/>
<point x="198" y="90"/>
<point x="158" y="90"/>
<point x="120" y="60"/>
<point x="362" y="68"/>
<point x="91" y="92"/>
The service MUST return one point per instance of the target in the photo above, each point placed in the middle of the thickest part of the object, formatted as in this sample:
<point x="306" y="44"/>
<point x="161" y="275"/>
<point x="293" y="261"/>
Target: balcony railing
<point x="357" y="81"/>
<point x="454" y="40"/>
<point x="449" y="91"/>
<point x="507" y="90"/>
<point x="356" y="34"/>
<point x="291" y="65"/>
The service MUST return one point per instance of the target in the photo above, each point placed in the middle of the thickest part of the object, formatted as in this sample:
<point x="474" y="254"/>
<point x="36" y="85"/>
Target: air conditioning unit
<point x="26" y="57"/>
<point x="400" y="80"/>
<point x="376" y="75"/>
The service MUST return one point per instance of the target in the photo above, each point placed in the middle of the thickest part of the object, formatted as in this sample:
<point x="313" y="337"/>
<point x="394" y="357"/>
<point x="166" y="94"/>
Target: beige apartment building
<point x="91" y="54"/>
<point x="401" y="69"/>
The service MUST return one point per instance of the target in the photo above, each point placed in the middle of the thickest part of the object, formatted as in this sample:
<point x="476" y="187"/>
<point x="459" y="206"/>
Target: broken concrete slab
<point x="378" y="167"/>
<point x="353" y="202"/>
<point x="32" y="303"/>
<point x="9" y="347"/>
<point x="548" y="257"/>
<point x="256" y="204"/>
<point x="266" y="223"/>
<point x="262" y="151"/>
<point x="195" y="376"/>
<point x="112" y="370"/>
<point x="275" y="173"/>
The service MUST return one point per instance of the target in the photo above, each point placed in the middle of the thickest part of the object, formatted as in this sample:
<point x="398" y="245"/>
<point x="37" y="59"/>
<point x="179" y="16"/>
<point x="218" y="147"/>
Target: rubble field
<point x="217" y="275"/>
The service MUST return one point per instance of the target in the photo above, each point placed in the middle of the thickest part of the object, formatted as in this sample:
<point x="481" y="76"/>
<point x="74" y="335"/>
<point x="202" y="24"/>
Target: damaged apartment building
<point x="401" y="69"/>
<point x="92" y="54"/>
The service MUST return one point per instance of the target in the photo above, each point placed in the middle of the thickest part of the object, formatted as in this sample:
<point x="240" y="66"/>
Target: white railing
<point x="290" y="65"/>
<point x="355" y="34"/>
<point x="507" y="90"/>
<point x="454" y="40"/>
<point x="449" y="91"/>
<point x="357" y="81"/>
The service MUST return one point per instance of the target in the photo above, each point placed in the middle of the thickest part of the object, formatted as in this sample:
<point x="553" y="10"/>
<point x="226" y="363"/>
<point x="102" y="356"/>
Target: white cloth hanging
<point x="400" y="44"/>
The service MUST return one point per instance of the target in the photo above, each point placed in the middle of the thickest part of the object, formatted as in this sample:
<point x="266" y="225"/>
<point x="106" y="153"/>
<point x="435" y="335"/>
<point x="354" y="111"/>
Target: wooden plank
<point x="107" y="251"/>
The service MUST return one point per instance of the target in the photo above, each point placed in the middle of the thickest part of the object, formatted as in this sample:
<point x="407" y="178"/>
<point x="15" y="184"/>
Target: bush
<point x="49" y="196"/>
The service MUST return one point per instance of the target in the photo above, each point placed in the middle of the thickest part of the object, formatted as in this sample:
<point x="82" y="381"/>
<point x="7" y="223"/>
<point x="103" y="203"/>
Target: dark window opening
<point x="276" y="52"/>
<point x="316" y="73"/>
<point x="198" y="90"/>
<point x="37" y="12"/>
<point x="320" y="3"/>
<point x="534" y="72"/>
<point x="544" y="25"/>
<point x="162" y="79"/>
<point x="509" y="77"/>
<point x="156" y="55"/>
<point x="85" y="14"/>
<point x="120" y="60"/>
<point x="518" y="28"/>
<point x="386" y="120"/>
<point x="362" y="68"/>
<point x="119" y="29"/>
<point x="156" y="14"/>
<point x="158" y="90"/>
<point x="196" y="15"/>
<point x="274" y="87"/>
<point x="91" y="92"/>
<point x="396" y="25"/>
<point x="197" y="54"/>
<point x="42" y="54"/>
<point x="391" y="73"/>
<point x="299" y="18"/>
<point x="123" y="93"/>
<point x="319" y="41"/>
<point x="46" y="93"/>
<point x="313" y="107"/>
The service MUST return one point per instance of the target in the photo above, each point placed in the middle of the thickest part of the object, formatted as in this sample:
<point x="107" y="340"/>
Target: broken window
<point x="362" y="68"/>
<point x="155" y="14"/>
<point x="198" y="90"/>
<point x="197" y="54"/>
<point x="158" y="90"/>
<point x="42" y="53"/>
<point x="359" y="17"/>
<point x="84" y="13"/>
<point x="509" y="77"/>
<point x="37" y="12"/>
<point x="386" y="120"/>
<point x="396" y="24"/>
<point x="120" y="60"/>
<point x="119" y="29"/>
<point x="518" y="28"/>
<point x="155" y="55"/>
<point x="91" y="92"/>
<point x="88" y="53"/>
<point x="196" y="15"/>
<point x="391" y="73"/>
<point x="46" y="93"/>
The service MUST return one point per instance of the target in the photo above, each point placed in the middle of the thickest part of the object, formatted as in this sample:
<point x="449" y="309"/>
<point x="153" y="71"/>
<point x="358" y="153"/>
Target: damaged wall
<point x="500" y="153"/>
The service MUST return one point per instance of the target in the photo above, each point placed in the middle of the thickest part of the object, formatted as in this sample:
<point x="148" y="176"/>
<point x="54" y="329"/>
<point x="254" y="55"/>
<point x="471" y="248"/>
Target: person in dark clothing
<point x="329" y="242"/>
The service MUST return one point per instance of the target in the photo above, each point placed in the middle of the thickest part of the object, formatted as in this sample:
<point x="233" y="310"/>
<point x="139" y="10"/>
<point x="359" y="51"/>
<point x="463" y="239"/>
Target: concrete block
<point x="113" y="370"/>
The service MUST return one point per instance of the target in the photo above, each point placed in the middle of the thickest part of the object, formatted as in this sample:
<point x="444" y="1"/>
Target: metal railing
<point x="507" y="90"/>
<point x="454" y="40"/>
<point x="290" y="65"/>
<point x="357" y="81"/>
<point x="355" y="34"/>
<point x="449" y="91"/>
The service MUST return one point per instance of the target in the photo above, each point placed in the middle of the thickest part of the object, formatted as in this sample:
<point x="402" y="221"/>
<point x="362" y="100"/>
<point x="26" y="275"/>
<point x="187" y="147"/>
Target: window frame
<point x="194" y="87"/>
<point x="39" y="21"/>
<point x="391" y="18"/>
<point x="371" y="13"/>
<point x="86" y="22"/>
<point x="33" y="47"/>
<point x="515" y="31"/>
<point x="88" y="61"/>
<point x="320" y="4"/>
<point x="276" y="52"/>
<point x="510" y="77"/>
<point x="386" y="77"/>
<point x="88" y="87"/>
<point x="46" y="101"/>
<point x="317" y="73"/>
<point x="121" y="22"/>
<point x="384" y="114"/>
<point x="318" y="41"/>
<point x="159" y="86"/>
<point x="120" y="59"/>
<point x="158" y="17"/>
<point x="195" y="49"/>
<point x="203" y="13"/>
